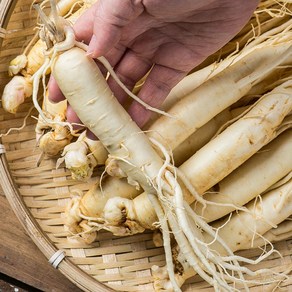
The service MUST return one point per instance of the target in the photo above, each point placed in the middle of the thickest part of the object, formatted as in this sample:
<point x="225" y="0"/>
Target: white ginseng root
<point x="15" y="93"/>
<point x="257" y="174"/>
<point x="264" y="213"/>
<point x="200" y="137"/>
<point x="282" y="232"/>
<point x="241" y="140"/>
<point x="82" y="156"/>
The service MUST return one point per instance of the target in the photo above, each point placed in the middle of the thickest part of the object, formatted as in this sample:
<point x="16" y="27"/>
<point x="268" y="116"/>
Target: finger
<point x="110" y="18"/>
<point x="90" y="135"/>
<point x="115" y="54"/>
<point x="55" y="94"/>
<point x="83" y="27"/>
<point x="158" y="84"/>
<point x="130" y="34"/>
<point x="71" y="115"/>
<point x="73" y="119"/>
<point x="130" y="70"/>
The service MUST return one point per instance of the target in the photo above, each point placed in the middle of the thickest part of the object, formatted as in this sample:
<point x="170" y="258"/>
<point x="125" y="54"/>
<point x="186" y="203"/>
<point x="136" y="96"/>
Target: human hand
<point x="170" y="37"/>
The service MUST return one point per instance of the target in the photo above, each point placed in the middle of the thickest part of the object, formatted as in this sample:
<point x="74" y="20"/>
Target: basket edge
<point x="6" y="9"/>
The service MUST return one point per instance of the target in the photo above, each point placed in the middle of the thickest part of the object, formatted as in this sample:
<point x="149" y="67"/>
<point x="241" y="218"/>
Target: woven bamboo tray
<point x="38" y="196"/>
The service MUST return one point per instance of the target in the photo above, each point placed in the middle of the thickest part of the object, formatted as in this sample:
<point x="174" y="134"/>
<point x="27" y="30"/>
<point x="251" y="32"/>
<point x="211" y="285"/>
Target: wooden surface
<point x="20" y="258"/>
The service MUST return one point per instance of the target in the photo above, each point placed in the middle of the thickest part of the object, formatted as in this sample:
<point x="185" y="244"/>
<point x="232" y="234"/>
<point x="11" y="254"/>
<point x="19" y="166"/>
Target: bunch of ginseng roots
<point x="213" y="173"/>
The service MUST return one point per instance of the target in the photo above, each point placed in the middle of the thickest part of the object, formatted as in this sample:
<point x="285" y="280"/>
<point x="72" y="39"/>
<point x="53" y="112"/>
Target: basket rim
<point x="6" y="9"/>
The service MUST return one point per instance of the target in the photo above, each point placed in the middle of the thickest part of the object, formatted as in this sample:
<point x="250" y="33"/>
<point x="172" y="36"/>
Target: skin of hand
<point x="170" y="37"/>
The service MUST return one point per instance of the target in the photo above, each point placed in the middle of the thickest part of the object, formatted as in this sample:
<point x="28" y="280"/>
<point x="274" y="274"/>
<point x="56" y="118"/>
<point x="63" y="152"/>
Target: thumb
<point x="110" y="17"/>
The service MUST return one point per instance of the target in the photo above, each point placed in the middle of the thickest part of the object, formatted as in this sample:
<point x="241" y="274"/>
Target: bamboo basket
<point x="38" y="196"/>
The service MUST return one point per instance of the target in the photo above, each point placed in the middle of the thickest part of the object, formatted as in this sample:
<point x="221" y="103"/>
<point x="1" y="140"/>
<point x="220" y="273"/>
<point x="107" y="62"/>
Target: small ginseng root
<point x="82" y="156"/>
<point x="54" y="135"/>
